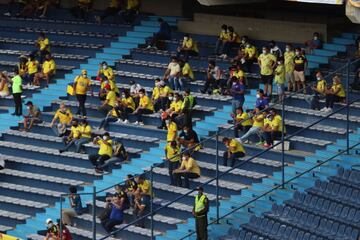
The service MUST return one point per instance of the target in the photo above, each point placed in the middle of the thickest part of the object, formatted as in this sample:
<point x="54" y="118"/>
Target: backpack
<point x="119" y="150"/>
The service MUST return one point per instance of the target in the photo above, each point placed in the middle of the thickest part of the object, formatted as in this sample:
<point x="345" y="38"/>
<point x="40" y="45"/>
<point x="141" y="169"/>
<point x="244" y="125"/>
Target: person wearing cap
<point x="262" y="102"/>
<point x="4" y="88"/>
<point x="64" y="115"/>
<point x="145" y="107"/>
<point x="188" y="48"/>
<point x="164" y="33"/>
<point x="235" y="150"/>
<point x="81" y="86"/>
<point x="32" y="117"/>
<point x="105" y="151"/>
<point x="189" y="169"/>
<point x="200" y="210"/>
<point x="16" y="83"/>
<point x="172" y="156"/>
<point x="48" y="70"/>
<point x="172" y="73"/>
<point x="105" y="70"/>
<point x="52" y="230"/>
<point x="110" y="100"/>
<point x="76" y="207"/>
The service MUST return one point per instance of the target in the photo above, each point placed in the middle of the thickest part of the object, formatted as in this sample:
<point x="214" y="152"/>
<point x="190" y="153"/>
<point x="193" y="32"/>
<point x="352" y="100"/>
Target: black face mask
<point x="75" y="125"/>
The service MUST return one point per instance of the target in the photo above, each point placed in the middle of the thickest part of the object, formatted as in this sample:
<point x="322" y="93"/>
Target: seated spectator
<point x="119" y="155"/>
<point x="300" y="65"/>
<point x="33" y="116"/>
<point x="105" y="152"/>
<point x="116" y="217"/>
<point x="242" y="122"/>
<point x="141" y="208"/>
<point x="110" y="101"/>
<point x="65" y="117"/>
<point x="222" y="38"/>
<point x="132" y="8"/>
<point x="185" y="116"/>
<point x="172" y="112"/>
<point x="126" y="106"/>
<point x="81" y="86"/>
<point x="155" y="96"/>
<point x="74" y="135"/>
<point x="272" y="128"/>
<point x="250" y="56"/>
<point x="82" y="9"/>
<point x="76" y="207"/>
<point x="213" y="77"/>
<point x="22" y="66"/>
<point x="240" y="57"/>
<point x="106" y="71"/>
<point x="275" y="50"/>
<point x="134" y="91"/>
<point x="130" y="188"/>
<point x="85" y="136"/>
<point x="267" y="62"/>
<point x="314" y="43"/>
<point x="112" y="10"/>
<point x="280" y="78"/>
<point x="334" y="94"/>
<point x="166" y="95"/>
<point x="237" y="91"/>
<point x="319" y="92"/>
<point x="189" y="139"/>
<point x="144" y="188"/>
<point x="66" y="235"/>
<point x="43" y="45"/>
<point x="4" y="85"/>
<point x="172" y="156"/>
<point x="289" y="67"/>
<point x="235" y="150"/>
<point x="186" y="75"/>
<point x="188" y="169"/>
<point x="14" y="7"/>
<point x="172" y="129"/>
<point x="172" y="73"/>
<point x="244" y="41"/>
<point x="157" y="41"/>
<point x="188" y="48"/>
<point x="32" y="67"/>
<point x="104" y="84"/>
<point x="48" y="70"/>
<point x="256" y="129"/>
<point x="29" y="9"/>
<point x="232" y="41"/>
<point x="52" y="230"/>
<point x="44" y="7"/>
<point x="262" y="102"/>
<point x="145" y="107"/>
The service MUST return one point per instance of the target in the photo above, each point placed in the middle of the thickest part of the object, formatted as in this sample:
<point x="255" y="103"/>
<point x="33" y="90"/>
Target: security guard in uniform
<point x="200" y="211"/>
<point x="186" y="108"/>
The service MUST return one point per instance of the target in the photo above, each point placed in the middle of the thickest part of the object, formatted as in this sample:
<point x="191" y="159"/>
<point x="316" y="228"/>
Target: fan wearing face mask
<point x="289" y="67"/>
<point x="174" y="109"/>
<point x="107" y="71"/>
<point x="314" y="43"/>
<point x="299" y="69"/>
<point x="189" y="169"/>
<point x="188" y="48"/>
<point x="267" y="62"/>
<point x="52" y="230"/>
<point x="105" y="151"/>
<point x="145" y="107"/>
<point x="81" y="86"/>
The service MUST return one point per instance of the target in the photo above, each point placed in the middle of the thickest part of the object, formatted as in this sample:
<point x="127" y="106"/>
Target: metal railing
<point x="219" y="174"/>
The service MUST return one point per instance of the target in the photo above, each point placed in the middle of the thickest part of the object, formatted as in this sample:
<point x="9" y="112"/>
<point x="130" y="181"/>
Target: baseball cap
<point x="28" y="103"/>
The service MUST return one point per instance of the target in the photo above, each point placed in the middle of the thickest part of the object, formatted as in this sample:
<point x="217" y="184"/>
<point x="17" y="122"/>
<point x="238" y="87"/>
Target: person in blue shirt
<point x="76" y="207"/>
<point x="262" y="102"/>
<point x="116" y="204"/>
<point x="314" y="43"/>
<point x="237" y="91"/>
<point x="163" y="34"/>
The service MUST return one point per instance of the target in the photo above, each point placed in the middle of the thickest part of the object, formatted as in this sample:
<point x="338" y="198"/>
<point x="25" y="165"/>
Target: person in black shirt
<point x="299" y="69"/>
<point x="188" y="138"/>
<point x="163" y="34"/>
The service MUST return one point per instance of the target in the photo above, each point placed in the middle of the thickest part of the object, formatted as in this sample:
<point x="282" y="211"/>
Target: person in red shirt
<point x="66" y="235"/>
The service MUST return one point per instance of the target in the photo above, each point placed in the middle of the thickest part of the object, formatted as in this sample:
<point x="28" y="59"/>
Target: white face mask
<point x="287" y="49"/>
<point x="167" y="122"/>
<point x="318" y="78"/>
<point x="243" y="41"/>
<point x="264" y="51"/>
<point x="186" y="38"/>
<point x="315" y="38"/>
<point x="123" y="96"/>
<point x="105" y="138"/>
<point x="257" y="95"/>
<point x="50" y="225"/>
<point x="104" y="67"/>
<point x="184" y="158"/>
<point x="28" y="107"/>
<point x="185" y="131"/>
<point x="248" y="46"/>
<point x="84" y="75"/>
<point x="171" y="98"/>
<point x="278" y="63"/>
<point x="297" y="53"/>
<point x="223" y="31"/>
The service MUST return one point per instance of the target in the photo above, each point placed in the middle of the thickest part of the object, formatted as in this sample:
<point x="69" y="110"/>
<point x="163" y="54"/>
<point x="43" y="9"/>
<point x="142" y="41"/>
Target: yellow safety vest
<point x="199" y="203"/>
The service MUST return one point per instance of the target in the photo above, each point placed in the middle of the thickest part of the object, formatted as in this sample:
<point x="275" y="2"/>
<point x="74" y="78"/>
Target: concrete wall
<point x="261" y="29"/>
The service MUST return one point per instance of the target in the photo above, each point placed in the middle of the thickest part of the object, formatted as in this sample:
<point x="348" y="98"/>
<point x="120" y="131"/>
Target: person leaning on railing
<point x="235" y="150"/>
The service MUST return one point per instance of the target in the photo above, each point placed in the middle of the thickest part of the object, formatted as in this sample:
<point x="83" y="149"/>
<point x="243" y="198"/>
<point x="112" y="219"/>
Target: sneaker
<point x="267" y="145"/>
<point x="99" y="170"/>
<point x="149" y="47"/>
<point x="224" y="56"/>
<point x="7" y="14"/>
<point x="328" y="110"/>
<point x="119" y="121"/>
<point x="141" y="123"/>
<point x="323" y="109"/>
<point x="126" y="121"/>
<point x="136" y="123"/>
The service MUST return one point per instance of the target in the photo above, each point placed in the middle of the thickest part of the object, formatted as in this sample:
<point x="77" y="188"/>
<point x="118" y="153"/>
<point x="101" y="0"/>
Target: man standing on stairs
<point x="16" y="82"/>
<point x="82" y="85"/>
<point x="200" y="210"/>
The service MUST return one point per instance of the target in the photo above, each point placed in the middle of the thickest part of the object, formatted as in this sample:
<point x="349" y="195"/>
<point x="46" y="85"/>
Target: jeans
<point x="232" y="158"/>
<point x="142" y="111"/>
<point x="109" y="224"/>
<point x="105" y="109"/>
<point x="252" y="131"/>
<point x="186" y="54"/>
<point x="110" y="162"/>
<point x="80" y="143"/>
<point x="174" y="82"/>
<point x="186" y="176"/>
<point x="182" y="83"/>
<point x="81" y="99"/>
<point x="18" y="104"/>
<point x="238" y="127"/>
<point x="107" y="120"/>
<point x="139" y="214"/>
<point x="172" y="167"/>
<point x="235" y="104"/>
<point x="68" y="144"/>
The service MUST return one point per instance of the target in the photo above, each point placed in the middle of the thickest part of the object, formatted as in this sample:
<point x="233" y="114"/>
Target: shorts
<point x="280" y="89"/>
<point x="289" y="77"/>
<point x="267" y="79"/>
<point x="299" y="76"/>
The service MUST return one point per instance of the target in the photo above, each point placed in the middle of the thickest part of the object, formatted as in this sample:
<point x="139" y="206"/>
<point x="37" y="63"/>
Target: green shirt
<point x="16" y="84"/>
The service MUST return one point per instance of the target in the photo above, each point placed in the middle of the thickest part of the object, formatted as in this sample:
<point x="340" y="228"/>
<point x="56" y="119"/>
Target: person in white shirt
<point x="134" y="91"/>
<point x="172" y="73"/>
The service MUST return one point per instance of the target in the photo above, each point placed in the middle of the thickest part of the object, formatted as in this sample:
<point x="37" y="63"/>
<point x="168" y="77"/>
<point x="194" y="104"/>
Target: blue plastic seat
<point x="335" y="190"/>
<point x="325" y="206"/>
<point x="344" y="213"/>
<point x="293" y="234"/>
<point x="275" y="229"/>
<point x="269" y="226"/>
<point x="341" y="231"/>
<point x="338" y="210"/>
<point x="319" y="204"/>
<point x="354" y="234"/>
<point x="287" y="232"/>
<point x="351" y="215"/>
<point x="306" y="236"/>
<point x="313" y="237"/>
<point x="281" y="231"/>
<point x="332" y="209"/>
<point x="303" y="218"/>
<point x="354" y="196"/>
<point x="248" y="236"/>
<point x="300" y="235"/>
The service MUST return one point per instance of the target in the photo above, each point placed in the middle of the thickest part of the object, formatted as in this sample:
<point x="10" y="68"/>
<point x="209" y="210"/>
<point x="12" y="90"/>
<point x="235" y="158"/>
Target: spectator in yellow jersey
<point x="111" y="10"/>
<point x="155" y="96"/>
<point x="250" y="56"/>
<point x="82" y="85"/>
<point x="334" y="94"/>
<point x="32" y="67"/>
<point x="232" y="41"/>
<point x="105" y="70"/>
<point x="242" y="122"/>
<point x="74" y="135"/>
<point x="22" y="66"/>
<point x="319" y="92"/>
<point x="131" y="9"/>
<point x="274" y="49"/>
<point x="165" y="93"/>
<point x="289" y="67"/>
<point x="235" y="150"/>
<point x="82" y="9"/>
<point x="189" y="169"/>
<point x="64" y="115"/>
<point x="4" y="82"/>
<point x="105" y="151"/>
<point x="109" y="102"/>
<point x="280" y="78"/>
<point x="172" y="156"/>
<point x="145" y="107"/>
<point x="48" y="70"/>
<point x="172" y="129"/>
<point x="186" y="75"/>
<point x="188" y="48"/>
<point x="222" y="38"/>
<point x="173" y="111"/>
<point x="43" y="45"/>
<point x="272" y="128"/>
<point x="85" y="136"/>
<point x="267" y="62"/>
<point x="256" y="129"/>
